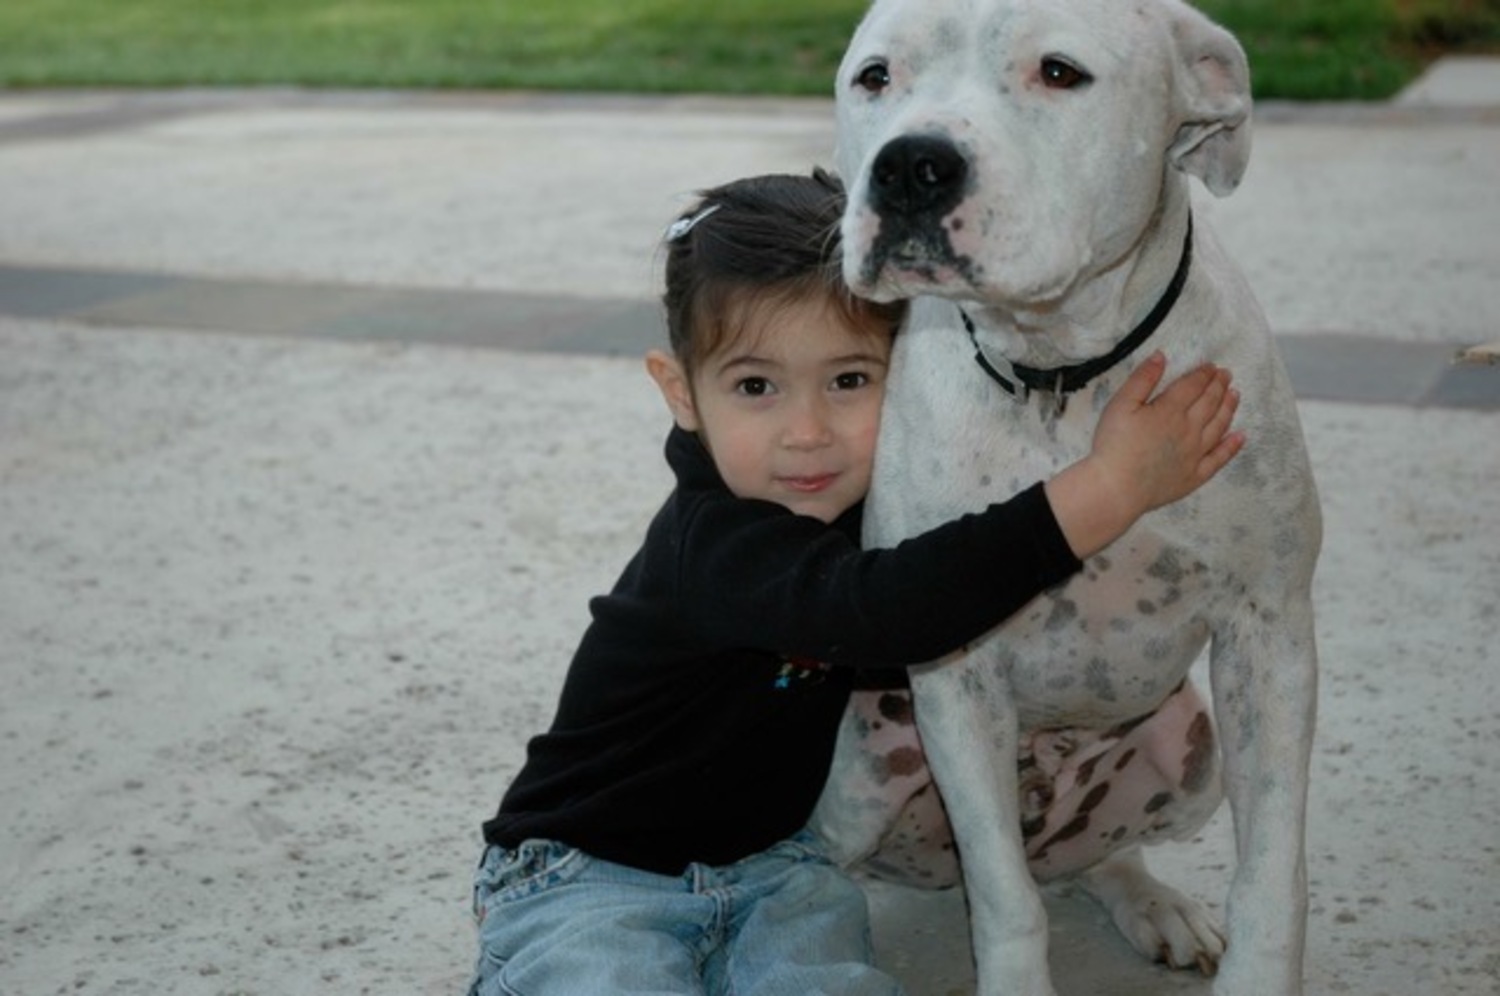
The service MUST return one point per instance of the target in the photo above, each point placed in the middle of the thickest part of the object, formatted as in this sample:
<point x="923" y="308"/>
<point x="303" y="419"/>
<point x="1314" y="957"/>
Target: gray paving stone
<point x="33" y="292"/>
<point x="1325" y="366"/>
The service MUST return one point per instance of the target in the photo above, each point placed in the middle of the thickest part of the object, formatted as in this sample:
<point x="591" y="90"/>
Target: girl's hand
<point x="1147" y="452"/>
<point x="1158" y="450"/>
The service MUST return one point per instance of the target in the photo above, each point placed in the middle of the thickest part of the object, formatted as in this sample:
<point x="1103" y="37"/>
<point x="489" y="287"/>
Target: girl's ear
<point x="675" y="388"/>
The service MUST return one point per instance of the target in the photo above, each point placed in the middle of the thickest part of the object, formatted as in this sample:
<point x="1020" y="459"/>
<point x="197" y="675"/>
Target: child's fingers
<point x="1136" y="390"/>
<point x="1219" y="422"/>
<point x="1187" y="392"/>
<point x="1218" y="457"/>
<point x="1207" y="404"/>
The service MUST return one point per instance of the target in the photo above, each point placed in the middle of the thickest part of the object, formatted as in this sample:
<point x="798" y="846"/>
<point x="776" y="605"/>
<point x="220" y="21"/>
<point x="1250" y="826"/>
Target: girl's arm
<point x="763" y="577"/>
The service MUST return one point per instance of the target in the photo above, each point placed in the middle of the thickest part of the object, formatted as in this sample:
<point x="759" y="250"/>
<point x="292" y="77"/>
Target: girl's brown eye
<point x="874" y="78"/>
<point x="1060" y="75"/>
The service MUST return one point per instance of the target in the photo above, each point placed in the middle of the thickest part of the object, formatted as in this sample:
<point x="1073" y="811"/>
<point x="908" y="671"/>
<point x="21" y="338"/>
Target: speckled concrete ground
<point x="304" y="402"/>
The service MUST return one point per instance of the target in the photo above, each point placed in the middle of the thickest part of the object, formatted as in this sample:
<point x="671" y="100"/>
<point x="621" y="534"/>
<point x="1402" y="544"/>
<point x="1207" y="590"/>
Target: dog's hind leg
<point x="1150" y="779"/>
<point x="879" y="796"/>
<point x="1086" y="794"/>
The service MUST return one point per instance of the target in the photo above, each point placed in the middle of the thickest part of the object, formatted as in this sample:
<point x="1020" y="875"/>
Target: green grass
<point x="1300" y="49"/>
<point x="1351" y="49"/>
<point x="766" y="46"/>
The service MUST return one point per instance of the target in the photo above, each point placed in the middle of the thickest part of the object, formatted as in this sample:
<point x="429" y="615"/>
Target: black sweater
<point x="698" y="718"/>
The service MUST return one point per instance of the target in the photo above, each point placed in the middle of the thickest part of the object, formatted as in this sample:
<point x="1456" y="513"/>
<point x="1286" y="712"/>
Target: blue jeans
<point x="554" y="921"/>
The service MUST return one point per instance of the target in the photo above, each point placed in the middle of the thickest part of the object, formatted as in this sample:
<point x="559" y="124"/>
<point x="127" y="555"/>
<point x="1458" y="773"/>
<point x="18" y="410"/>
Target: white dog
<point x="1020" y="167"/>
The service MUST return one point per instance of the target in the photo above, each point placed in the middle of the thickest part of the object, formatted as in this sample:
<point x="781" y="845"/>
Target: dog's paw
<point x="1158" y="921"/>
<point x="1173" y="929"/>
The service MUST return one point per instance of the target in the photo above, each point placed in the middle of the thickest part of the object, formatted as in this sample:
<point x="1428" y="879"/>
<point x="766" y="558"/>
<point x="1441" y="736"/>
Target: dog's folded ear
<point x="1213" y="139"/>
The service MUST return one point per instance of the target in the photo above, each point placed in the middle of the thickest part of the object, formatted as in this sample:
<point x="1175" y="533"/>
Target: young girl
<point x="653" y="841"/>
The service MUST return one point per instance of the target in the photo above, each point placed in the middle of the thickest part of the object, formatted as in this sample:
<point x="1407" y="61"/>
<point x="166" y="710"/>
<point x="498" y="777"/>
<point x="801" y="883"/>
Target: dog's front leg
<point x="966" y="715"/>
<point x="1264" y="667"/>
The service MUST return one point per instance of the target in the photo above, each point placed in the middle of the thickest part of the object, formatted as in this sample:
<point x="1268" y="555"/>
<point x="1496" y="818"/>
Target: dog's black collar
<point x="1065" y="380"/>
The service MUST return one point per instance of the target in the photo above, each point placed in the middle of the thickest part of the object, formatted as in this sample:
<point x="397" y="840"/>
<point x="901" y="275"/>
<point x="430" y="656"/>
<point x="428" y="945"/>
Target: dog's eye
<point x="1059" y="75"/>
<point x="874" y="78"/>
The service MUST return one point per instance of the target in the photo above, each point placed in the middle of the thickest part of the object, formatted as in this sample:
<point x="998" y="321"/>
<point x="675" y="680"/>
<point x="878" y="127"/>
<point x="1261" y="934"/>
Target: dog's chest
<point x="953" y="441"/>
<point x="1114" y="641"/>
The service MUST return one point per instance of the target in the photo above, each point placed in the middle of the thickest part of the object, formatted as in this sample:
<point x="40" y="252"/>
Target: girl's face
<point x="790" y="408"/>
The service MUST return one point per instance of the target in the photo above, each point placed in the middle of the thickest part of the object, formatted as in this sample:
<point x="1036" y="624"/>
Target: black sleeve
<point x="765" y="577"/>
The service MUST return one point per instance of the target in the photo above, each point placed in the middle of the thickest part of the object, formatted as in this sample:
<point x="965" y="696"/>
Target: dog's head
<point x="1005" y="151"/>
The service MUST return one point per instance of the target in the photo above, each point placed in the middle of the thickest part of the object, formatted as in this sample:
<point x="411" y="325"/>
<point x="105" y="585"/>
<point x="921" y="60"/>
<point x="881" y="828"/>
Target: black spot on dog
<point x="900" y="762"/>
<point x="1074" y="827"/>
<point x="1119" y="732"/>
<point x="1198" y="765"/>
<point x="896" y="708"/>
<point x="1094" y="798"/>
<point x="1064" y="611"/>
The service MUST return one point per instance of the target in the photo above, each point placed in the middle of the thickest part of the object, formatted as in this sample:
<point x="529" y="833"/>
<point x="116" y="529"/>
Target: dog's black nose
<point x="916" y="174"/>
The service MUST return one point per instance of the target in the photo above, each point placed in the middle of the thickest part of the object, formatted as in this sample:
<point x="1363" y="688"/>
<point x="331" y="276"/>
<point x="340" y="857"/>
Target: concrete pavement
<point x="320" y="419"/>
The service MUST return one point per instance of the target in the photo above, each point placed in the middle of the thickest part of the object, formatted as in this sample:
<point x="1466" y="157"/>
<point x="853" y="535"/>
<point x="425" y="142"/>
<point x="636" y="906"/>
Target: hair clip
<point x="682" y="226"/>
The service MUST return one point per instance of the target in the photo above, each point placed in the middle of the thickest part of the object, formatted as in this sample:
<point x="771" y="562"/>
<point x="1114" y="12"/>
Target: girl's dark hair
<point x="757" y="242"/>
